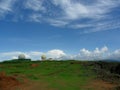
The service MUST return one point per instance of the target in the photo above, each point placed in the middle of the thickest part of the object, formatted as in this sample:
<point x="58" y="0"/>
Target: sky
<point x="60" y="29"/>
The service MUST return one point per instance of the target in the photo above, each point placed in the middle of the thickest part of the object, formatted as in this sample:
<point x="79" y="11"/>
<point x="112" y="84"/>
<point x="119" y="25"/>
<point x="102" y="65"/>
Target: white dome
<point x="21" y="56"/>
<point x="43" y="57"/>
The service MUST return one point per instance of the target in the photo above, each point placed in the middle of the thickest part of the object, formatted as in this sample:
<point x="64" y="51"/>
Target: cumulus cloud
<point x="55" y="54"/>
<point x="92" y="55"/>
<point x="84" y="54"/>
<point x="34" y="55"/>
<point x="115" y="55"/>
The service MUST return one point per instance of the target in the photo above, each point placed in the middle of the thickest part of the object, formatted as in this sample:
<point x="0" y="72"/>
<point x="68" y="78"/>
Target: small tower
<point x="43" y="57"/>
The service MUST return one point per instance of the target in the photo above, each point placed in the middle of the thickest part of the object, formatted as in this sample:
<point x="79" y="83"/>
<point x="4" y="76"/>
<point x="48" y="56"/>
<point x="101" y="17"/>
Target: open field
<point x="59" y="75"/>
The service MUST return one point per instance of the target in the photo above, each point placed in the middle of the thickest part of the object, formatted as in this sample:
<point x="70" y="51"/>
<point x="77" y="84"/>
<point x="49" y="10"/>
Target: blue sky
<point x="69" y="29"/>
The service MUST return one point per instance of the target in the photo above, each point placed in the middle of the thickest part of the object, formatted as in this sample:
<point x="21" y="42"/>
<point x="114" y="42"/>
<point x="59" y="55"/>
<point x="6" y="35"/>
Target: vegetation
<point x="59" y="75"/>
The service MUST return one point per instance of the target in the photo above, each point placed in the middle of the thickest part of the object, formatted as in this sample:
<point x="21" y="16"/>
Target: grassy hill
<point x="53" y="75"/>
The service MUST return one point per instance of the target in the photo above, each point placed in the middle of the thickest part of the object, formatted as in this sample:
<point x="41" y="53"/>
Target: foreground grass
<point x="61" y="75"/>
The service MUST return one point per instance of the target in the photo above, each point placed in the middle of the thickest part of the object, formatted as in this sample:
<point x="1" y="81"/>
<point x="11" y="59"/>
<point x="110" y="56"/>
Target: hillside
<point x="59" y="75"/>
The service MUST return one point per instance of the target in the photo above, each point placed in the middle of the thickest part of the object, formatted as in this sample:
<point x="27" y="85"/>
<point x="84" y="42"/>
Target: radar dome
<point x="21" y="56"/>
<point x="43" y="57"/>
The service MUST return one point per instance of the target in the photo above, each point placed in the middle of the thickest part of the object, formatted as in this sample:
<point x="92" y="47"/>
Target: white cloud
<point x="35" y="5"/>
<point x="71" y="9"/>
<point x="97" y="26"/>
<point x="55" y="54"/>
<point x="6" y="6"/>
<point x="78" y="26"/>
<point x="92" y="55"/>
<point x="77" y="10"/>
<point x="34" y="55"/>
<point x="102" y="26"/>
<point x="90" y="15"/>
<point x="57" y="22"/>
<point x="12" y="55"/>
<point x="115" y="55"/>
<point x="35" y="17"/>
<point x="84" y="54"/>
<point x="98" y="12"/>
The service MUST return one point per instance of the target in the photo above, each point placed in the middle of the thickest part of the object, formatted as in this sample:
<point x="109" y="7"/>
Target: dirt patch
<point x="34" y="85"/>
<point x="34" y="65"/>
<point x="1" y="65"/>
<point x="101" y="85"/>
<point x="7" y="82"/>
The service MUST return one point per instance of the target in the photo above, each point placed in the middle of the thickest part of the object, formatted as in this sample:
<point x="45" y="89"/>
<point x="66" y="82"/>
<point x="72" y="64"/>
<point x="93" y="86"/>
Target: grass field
<point x="50" y="75"/>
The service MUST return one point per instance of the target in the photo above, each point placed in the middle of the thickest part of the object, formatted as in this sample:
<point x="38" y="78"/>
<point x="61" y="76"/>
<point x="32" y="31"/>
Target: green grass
<point x="61" y="75"/>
